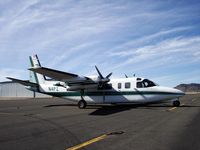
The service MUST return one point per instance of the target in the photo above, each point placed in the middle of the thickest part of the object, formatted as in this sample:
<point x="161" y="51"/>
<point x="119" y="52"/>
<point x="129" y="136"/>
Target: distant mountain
<point x="192" y="87"/>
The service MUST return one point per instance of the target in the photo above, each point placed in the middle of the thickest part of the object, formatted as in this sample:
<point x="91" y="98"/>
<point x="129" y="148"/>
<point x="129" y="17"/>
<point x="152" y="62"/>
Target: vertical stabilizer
<point x="35" y="77"/>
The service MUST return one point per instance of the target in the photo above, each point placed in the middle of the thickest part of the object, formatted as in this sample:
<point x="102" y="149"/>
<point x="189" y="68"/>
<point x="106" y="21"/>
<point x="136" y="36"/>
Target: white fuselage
<point x="124" y="90"/>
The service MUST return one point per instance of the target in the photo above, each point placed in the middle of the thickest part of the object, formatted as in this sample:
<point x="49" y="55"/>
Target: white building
<point x="12" y="89"/>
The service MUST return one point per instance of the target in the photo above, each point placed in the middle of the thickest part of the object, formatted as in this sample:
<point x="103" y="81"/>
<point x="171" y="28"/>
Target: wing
<point x="74" y="81"/>
<point x="23" y="82"/>
<point x="55" y="74"/>
<point x="69" y="78"/>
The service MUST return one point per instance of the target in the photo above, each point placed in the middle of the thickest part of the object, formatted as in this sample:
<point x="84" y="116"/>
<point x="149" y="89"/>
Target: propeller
<point x="102" y="80"/>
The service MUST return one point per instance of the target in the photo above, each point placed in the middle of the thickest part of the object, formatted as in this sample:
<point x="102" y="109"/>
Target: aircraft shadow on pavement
<point x="103" y="110"/>
<point x="110" y="109"/>
<point x="60" y="105"/>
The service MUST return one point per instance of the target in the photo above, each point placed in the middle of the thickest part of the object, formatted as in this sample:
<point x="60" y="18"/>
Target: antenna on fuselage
<point x="126" y="76"/>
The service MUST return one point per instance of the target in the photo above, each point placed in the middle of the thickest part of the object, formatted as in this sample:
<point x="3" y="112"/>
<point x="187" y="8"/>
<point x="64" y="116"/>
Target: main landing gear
<point x="176" y="103"/>
<point x="82" y="104"/>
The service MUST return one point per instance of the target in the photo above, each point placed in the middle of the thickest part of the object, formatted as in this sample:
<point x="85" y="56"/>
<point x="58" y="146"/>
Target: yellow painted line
<point x="172" y="108"/>
<point x="175" y="107"/>
<point x="88" y="142"/>
<point x="193" y="100"/>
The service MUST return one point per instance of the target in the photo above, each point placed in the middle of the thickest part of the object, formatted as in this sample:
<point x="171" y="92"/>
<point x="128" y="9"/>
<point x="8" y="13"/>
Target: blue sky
<point x="155" y="39"/>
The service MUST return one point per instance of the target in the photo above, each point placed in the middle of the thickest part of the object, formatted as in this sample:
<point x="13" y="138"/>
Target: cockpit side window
<point x="148" y="83"/>
<point x="139" y="85"/>
<point x="145" y="83"/>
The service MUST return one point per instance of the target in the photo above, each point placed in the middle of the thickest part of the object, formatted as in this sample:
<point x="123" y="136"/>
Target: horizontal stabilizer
<point x="55" y="74"/>
<point x="23" y="82"/>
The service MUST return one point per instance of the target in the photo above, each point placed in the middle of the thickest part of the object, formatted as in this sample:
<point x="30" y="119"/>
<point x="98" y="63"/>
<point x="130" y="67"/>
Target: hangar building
<point x="15" y="90"/>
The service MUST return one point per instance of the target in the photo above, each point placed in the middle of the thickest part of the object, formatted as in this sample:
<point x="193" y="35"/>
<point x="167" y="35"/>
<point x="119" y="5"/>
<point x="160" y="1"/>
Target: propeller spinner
<point x="102" y="80"/>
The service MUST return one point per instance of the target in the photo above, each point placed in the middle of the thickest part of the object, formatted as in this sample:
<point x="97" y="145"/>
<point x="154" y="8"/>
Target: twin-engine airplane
<point x="97" y="90"/>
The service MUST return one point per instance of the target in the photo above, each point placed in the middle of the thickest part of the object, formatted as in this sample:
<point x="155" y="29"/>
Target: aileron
<point x="55" y="74"/>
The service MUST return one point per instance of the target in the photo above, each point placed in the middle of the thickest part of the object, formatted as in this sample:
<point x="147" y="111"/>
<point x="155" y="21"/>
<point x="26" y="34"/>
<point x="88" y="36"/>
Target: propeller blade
<point x="108" y="76"/>
<point x="100" y="75"/>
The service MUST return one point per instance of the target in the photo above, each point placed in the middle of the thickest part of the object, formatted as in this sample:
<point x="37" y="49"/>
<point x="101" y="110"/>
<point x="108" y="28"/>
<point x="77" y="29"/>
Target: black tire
<point x="82" y="104"/>
<point x="176" y="103"/>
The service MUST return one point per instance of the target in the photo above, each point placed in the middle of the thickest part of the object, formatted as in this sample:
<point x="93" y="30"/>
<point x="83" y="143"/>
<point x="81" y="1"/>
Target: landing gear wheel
<point x="82" y="104"/>
<point x="176" y="103"/>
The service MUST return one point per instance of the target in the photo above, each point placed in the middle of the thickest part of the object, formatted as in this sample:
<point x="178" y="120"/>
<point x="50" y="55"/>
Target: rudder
<point x="35" y="77"/>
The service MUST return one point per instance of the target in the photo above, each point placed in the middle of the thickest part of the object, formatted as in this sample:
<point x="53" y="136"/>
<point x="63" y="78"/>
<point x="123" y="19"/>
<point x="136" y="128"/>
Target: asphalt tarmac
<point x="56" y="124"/>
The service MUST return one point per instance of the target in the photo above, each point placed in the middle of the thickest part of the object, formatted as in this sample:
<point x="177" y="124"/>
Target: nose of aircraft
<point x="177" y="92"/>
<point x="172" y="91"/>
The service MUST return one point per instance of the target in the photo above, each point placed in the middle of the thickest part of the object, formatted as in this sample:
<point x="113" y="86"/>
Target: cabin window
<point x="127" y="85"/>
<point x="119" y="85"/>
<point x="139" y="85"/>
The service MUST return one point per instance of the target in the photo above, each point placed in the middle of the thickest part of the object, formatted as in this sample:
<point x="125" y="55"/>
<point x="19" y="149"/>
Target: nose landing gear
<point x="176" y="103"/>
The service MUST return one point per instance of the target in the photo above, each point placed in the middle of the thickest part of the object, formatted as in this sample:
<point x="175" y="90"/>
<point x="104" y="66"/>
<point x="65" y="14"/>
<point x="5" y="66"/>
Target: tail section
<point x="35" y="77"/>
<point x="23" y="82"/>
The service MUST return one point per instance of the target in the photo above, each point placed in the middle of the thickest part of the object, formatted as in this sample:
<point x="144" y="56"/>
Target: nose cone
<point x="177" y="92"/>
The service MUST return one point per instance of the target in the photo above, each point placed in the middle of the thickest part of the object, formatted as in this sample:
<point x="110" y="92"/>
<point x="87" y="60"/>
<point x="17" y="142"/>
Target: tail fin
<point x="35" y="77"/>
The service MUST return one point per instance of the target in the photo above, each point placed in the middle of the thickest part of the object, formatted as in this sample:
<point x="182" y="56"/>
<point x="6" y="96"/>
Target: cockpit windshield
<point x="145" y="83"/>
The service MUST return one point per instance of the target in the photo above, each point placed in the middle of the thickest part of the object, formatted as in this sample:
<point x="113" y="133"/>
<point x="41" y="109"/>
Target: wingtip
<point x="9" y="78"/>
<point x="12" y="79"/>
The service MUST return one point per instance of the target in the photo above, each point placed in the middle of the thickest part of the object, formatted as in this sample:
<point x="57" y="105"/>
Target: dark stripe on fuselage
<point x="109" y="93"/>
